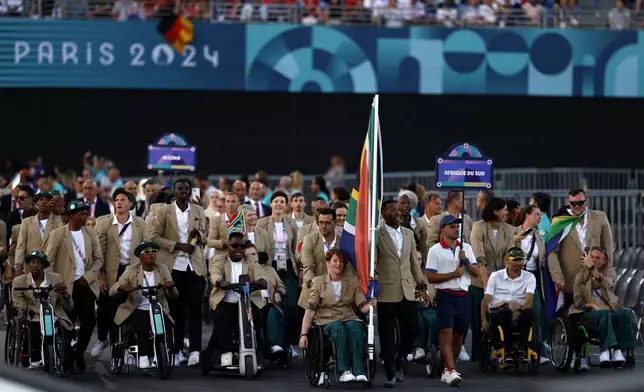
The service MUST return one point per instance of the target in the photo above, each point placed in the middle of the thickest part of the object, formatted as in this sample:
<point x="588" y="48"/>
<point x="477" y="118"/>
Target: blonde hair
<point x="297" y="180"/>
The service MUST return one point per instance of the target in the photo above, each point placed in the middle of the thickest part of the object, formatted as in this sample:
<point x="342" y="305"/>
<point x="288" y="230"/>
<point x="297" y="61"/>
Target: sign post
<point x="172" y="153"/>
<point x="464" y="167"/>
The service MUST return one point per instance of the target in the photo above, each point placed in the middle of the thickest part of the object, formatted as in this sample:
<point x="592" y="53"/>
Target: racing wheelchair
<point x="126" y="347"/>
<point x="573" y="338"/>
<point x="492" y="352"/>
<point x="320" y="359"/>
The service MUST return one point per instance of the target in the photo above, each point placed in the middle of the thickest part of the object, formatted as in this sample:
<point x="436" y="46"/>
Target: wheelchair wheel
<point x="117" y="352"/>
<point x="50" y="359"/>
<point x="432" y="362"/>
<point x="561" y="344"/>
<point x="314" y="357"/>
<point x="60" y="350"/>
<point x="485" y="348"/>
<point x="535" y="350"/>
<point x="10" y="352"/>
<point x="163" y="359"/>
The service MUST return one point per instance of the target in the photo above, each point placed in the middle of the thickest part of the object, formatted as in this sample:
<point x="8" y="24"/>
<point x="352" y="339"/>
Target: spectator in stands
<point x="335" y="175"/>
<point x="514" y="208"/>
<point x="332" y="14"/>
<point x="126" y="10"/>
<point x="542" y="200"/>
<point x="565" y="14"/>
<point x="470" y="13"/>
<point x="310" y="12"/>
<point x="390" y="15"/>
<point x="595" y="304"/>
<point x="286" y="185"/>
<point x="533" y="12"/>
<point x="415" y="12"/>
<point x="619" y="18"/>
<point x="340" y="194"/>
<point x="487" y="11"/>
<point x="448" y="14"/>
<point x="298" y="180"/>
<point x="319" y="189"/>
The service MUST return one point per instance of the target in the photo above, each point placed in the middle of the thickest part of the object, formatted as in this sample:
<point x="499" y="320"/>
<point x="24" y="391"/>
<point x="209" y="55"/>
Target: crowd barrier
<point x="343" y="59"/>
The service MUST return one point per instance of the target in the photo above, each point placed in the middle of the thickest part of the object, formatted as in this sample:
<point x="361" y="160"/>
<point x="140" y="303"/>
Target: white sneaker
<point x="179" y="358"/>
<point x="276" y="349"/>
<point x="322" y="379"/>
<point x="144" y="362"/>
<point x="226" y="359"/>
<point x="186" y="343"/>
<point x="604" y="357"/>
<point x="294" y="353"/>
<point x="347" y="376"/>
<point x="617" y="357"/>
<point x="454" y="379"/>
<point x="182" y="357"/>
<point x="98" y="349"/>
<point x="410" y="357"/>
<point x="543" y="360"/>
<point x="130" y="360"/>
<point x="463" y="356"/>
<point x="583" y="365"/>
<point x="572" y="361"/>
<point x="419" y="354"/>
<point x="194" y="359"/>
<point x="35" y="365"/>
<point x="445" y="376"/>
<point x="361" y="378"/>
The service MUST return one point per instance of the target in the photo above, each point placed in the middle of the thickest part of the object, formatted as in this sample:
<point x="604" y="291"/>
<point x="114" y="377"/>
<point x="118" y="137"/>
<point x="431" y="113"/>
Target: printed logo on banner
<point x="464" y="167"/>
<point x="171" y="152"/>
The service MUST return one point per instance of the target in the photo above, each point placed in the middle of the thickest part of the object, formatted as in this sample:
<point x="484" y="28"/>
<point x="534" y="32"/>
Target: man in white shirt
<point x="508" y="298"/>
<point x="450" y="271"/>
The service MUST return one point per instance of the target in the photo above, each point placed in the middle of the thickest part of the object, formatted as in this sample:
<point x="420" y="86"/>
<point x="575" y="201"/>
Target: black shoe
<point x="400" y="376"/>
<point x="80" y="363"/>
<point x="390" y="382"/>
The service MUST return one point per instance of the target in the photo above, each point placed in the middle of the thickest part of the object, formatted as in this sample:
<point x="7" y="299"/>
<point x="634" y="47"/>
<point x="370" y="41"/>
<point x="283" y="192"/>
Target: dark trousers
<point x="407" y="315"/>
<point x="35" y="345"/>
<point x="84" y="301"/>
<point x="107" y="307"/>
<point x="503" y="318"/>
<point x="226" y="320"/>
<point x="187" y="308"/>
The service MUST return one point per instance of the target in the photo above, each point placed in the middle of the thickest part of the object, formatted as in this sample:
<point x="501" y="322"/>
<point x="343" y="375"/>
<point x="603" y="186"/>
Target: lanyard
<point x="123" y="229"/>
<point x="284" y="233"/>
<point x="147" y="283"/>
<point x="78" y="248"/>
<point x="42" y="228"/>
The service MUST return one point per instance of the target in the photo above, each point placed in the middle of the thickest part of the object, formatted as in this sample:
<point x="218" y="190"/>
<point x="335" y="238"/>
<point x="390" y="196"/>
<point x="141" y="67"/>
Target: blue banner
<point x="290" y="58"/>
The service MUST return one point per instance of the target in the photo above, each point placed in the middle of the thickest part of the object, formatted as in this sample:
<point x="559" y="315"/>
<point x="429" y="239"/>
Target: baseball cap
<point x="448" y="220"/>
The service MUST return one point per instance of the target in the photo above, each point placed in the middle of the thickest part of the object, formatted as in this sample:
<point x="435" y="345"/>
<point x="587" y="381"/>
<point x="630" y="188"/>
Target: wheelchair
<point x="320" y="357"/>
<point x="496" y="355"/>
<point x="278" y="360"/>
<point x="575" y="337"/>
<point x="16" y="345"/>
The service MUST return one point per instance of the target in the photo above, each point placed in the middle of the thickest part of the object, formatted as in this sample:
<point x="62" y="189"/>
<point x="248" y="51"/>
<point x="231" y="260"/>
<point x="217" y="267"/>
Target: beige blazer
<point x="11" y="255"/>
<point x="165" y="233"/>
<point x="422" y="233"/>
<point x="303" y="232"/>
<point x="261" y="240"/>
<point x="152" y="215"/>
<point x="222" y="271"/>
<point x="108" y="237"/>
<point x="564" y="261"/>
<point x="273" y="282"/>
<point x="434" y="231"/>
<point x="60" y="251"/>
<point x="217" y="233"/>
<point x="397" y="276"/>
<point x="30" y="238"/>
<point x="583" y="290"/>
<point x="485" y="245"/>
<point x="134" y="275"/>
<point x="323" y="302"/>
<point x="27" y="301"/>
<point x="314" y="261"/>
<point x="266" y="223"/>
<point x="3" y="233"/>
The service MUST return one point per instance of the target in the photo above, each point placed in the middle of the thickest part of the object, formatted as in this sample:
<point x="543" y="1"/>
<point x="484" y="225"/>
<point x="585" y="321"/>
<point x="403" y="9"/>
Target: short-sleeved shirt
<point x="504" y="289"/>
<point x="443" y="259"/>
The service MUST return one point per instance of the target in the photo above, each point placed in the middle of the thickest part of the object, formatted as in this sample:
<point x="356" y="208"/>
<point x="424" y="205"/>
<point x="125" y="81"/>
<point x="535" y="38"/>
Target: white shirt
<point x="299" y="223"/>
<point x="502" y="288"/>
<point x="533" y="263"/>
<point x="42" y="227"/>
<point x="327" y="247"/>
<point x="251" y="237"/>
<point x="337" y="290"/>
<point x="125" y="243"/>
<point x="444" y="260"/>
<point x="144" y="302"/>
<point x="182" y="261"/>
<point x="235" y="270"/>
<point x="447" y="16"/>
<point x="582" y="229"/>
<point x="79" y="238"/>
<point x="397" y="238"/>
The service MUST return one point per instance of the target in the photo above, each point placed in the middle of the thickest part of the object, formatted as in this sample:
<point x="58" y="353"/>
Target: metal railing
<point x="332" y="13"/>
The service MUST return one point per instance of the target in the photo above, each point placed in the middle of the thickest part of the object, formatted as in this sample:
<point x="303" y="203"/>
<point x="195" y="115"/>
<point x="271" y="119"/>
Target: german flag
<point x="177" y="30"/>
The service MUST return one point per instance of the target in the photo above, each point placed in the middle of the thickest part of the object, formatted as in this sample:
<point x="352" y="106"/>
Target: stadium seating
<point x="629" y="281"/>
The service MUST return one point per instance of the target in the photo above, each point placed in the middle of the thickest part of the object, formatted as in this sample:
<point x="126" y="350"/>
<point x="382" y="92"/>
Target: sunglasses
<point x="238" y="246"/>
<point x="150" y="252"/>
<point x="516" y="255"/>
<point x="577" y="203"/>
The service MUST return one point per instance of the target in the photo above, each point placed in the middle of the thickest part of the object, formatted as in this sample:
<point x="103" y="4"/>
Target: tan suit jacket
<point x="108" y="237"/>
<point x="273" y="282"/>
<point x="165" y="233"/>
<point x="308" y="219"/>
<point x="314" y="261"/>
<point x="30" y="239"/>
<point x="303" y="232"/>
<point x="583" y="290"/>
<point x="266" y="223"/>
<point x="397" y="276"/>
<point x="221" y="271"/>
<point x="217" y="233"/>
<point x="434" y="231"/>
<point x="60" y="251"/>
<point x="152" y="215"/>
<point x="422" y="233"/>
<point x="11" y="256"/>
<point x="327" y="309"/>
<point x="134" y="275"/>
<point x="565" y="259"/>
<point x="261" y="240"/>
<point x="492" y="250"/>
<point x="26" y="299"/>
<point x="3" y="233"/>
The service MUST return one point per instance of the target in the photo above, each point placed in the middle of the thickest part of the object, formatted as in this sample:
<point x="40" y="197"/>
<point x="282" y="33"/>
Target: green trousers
<point x="275" y="327"/>
<point x="538" y="315"/>
<point x="292" y="324"/>
<point x="476" y="296"/>
<point x="349" y="338"/>
<point x="427" y="327"/>
<point x="615" y="329"/>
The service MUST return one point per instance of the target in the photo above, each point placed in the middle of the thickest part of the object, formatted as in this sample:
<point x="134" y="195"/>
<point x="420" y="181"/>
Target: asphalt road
<point x="96" y="378"/>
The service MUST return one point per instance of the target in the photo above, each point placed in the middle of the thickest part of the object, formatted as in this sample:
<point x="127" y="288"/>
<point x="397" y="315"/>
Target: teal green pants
<point x="292" y="323"/>
<point x="538" y="315"/>
<point x="275" y="327"/>
<point x="427" y="327"/>
<point x="615" y="329"/>
<point x="349" y="338"/>
<point x="476" y="296"/>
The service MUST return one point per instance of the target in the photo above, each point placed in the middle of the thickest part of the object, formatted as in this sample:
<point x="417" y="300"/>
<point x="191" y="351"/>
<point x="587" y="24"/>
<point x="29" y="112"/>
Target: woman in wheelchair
<point x="597" y="307"/>
<point x="508" y="299"/>
<point x="135" y="310"/>
<point x="28" y="307"/>
<point x="331" y="305"/>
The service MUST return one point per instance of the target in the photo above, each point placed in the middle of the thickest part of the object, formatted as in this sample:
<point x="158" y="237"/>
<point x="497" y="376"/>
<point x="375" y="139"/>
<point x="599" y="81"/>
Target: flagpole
<point x="373" y="217"/>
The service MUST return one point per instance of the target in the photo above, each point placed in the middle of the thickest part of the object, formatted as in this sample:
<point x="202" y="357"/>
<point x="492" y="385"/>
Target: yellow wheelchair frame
<point x="496" y="357"/>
